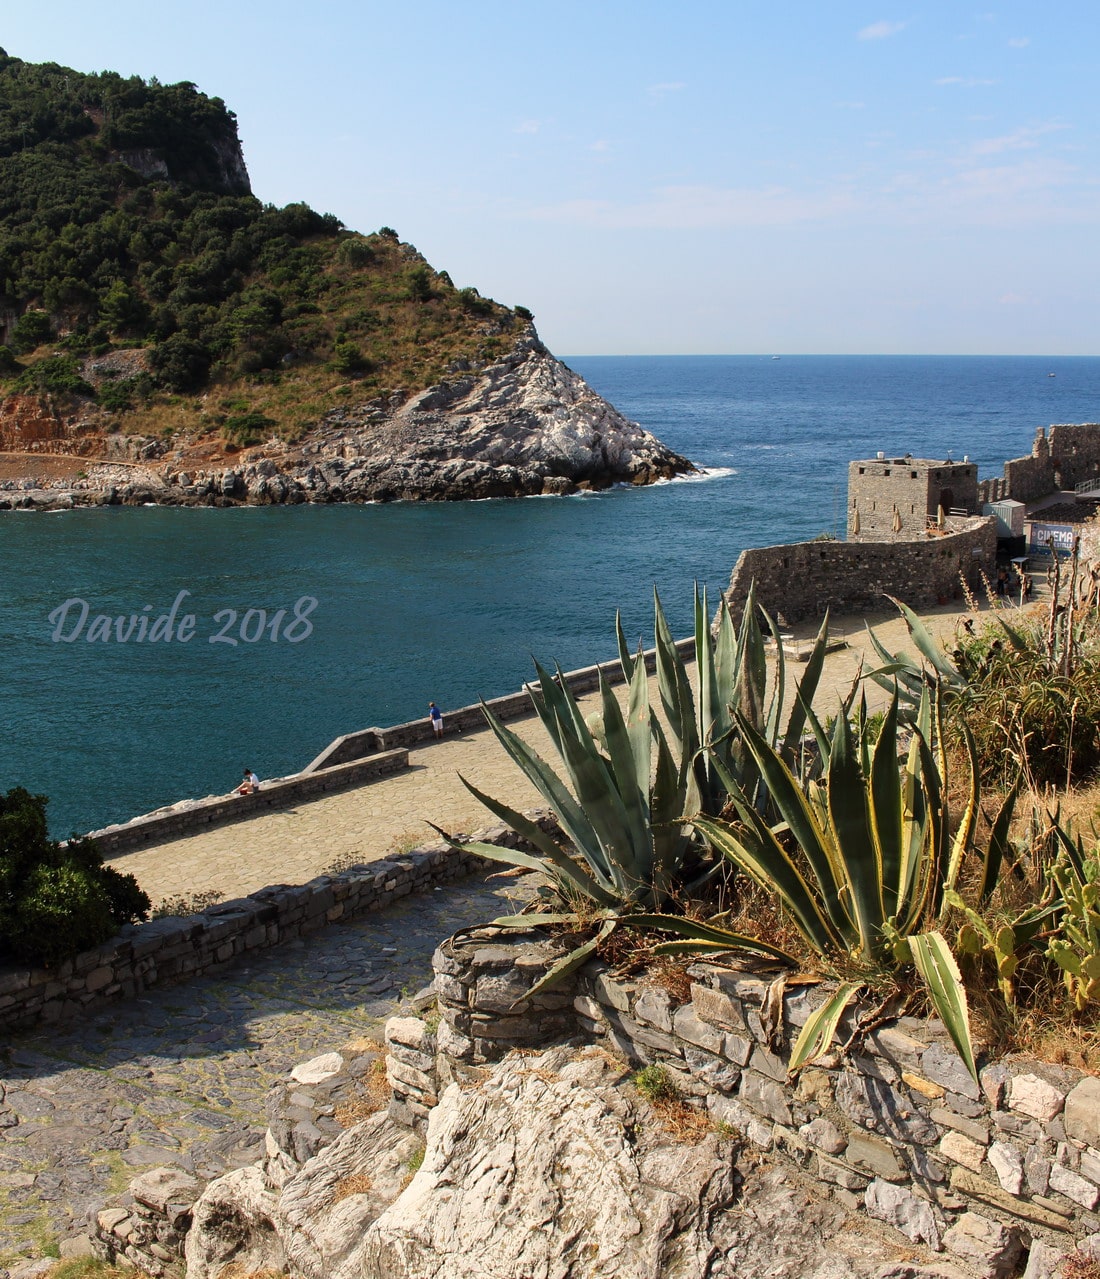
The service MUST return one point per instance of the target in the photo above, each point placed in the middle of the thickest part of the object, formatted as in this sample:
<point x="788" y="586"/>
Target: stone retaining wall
<point x="175" y="949"/>
<point x="804" y="579"/>
<point x="897" y="1126"/>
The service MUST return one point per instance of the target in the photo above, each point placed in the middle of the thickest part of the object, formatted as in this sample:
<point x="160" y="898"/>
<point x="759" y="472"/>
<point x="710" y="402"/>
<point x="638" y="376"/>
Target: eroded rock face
<point x="523" y="426"/>
<point x="550" y="1167"/>
<point x="546" y="1171"/>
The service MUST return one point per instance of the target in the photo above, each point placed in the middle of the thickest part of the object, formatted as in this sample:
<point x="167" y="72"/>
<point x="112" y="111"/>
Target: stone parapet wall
<point x="173" y="949"/>
<point x="896" y="1126"/>
<point x="804" y="579"/>
<point x="222" y="810"/>
<point x="353" y="759"/>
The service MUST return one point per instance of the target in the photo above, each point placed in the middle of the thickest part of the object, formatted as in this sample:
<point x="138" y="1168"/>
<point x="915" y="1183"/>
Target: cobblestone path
<point x="179" y="1077"/>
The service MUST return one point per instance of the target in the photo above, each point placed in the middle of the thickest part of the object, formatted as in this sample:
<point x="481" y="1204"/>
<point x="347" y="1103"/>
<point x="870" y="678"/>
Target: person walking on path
<point x="436" y="716"/>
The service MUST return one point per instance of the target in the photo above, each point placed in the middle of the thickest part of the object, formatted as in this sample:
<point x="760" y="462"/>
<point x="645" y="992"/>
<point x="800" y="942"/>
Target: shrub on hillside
<point x="56" y="899"/>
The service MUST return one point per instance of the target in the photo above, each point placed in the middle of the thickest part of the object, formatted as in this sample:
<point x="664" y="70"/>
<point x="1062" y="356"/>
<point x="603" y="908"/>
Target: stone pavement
<point x="179" y="1077"/>
<point x="365" y="823"/>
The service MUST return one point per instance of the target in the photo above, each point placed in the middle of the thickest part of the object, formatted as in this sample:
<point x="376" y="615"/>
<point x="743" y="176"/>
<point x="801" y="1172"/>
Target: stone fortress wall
<point x="1061" y="458"/>
<point x="804" y="579"/>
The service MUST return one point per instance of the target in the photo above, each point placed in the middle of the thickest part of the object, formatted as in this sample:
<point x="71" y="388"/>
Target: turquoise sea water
<point x="448" y="601"/>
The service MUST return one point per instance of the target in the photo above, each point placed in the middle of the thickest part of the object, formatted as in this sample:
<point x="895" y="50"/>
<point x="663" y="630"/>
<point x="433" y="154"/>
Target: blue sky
<point x="707" y="177"/>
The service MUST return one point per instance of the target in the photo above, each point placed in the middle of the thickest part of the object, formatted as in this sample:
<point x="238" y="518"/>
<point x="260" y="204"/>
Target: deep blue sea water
<point x="449" y="601"/>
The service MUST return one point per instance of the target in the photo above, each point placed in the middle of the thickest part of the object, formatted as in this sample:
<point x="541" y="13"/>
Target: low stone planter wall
<point x="174" y="949"/>
<point x="896" y="1127"/>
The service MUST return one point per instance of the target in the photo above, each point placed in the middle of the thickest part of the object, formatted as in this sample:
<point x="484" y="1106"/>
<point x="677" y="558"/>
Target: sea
<point x="151" y="654"/>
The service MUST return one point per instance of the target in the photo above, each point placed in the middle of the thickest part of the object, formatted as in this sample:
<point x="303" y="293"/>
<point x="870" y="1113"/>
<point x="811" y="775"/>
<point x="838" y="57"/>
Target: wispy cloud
<point x="880" y="30"/>
<point x="1019" y="42"/>
<point x="601" y="145"/>
<point x="1011" y="299"/>
<point x="1023" y="139"/>
<point x="527" y="126"/>
<point x="666" y="87"/>
<point x="850" y="106"/>
<point x="964" y="81"/>
<point x="699" y="208"/>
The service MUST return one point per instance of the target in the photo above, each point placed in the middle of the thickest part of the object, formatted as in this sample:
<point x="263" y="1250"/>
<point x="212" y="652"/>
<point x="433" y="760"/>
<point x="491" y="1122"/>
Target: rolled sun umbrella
<point x="897" y="520"/>
<point x="855" y="522"/>
<point x="941" y="519"/>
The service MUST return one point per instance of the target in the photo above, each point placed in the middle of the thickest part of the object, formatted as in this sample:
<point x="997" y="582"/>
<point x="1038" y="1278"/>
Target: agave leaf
<point x="887" y="820"/>
<point x="1018" y="642"/>
<point x="846" y="791"/>
<point x="672" y="682"/>
<point x="569" y="813"/>
<point x="571" y="962"/>
<point x="934" y="961"/>
<point x="696" y="931"/>
<point x="807" y="689"/>
<point x="753" y="847"/>
<point x="817" y="1034"/>
<point x="626" y="660"/>
<point x="630" y="767"/>
<point x="926" y="645"/>
<point x="555" y="862"/>
<point x="534" y="920"/>
<point x="964" y="835"/>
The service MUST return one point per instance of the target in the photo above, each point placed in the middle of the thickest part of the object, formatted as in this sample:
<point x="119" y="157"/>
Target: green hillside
<point x="127" y="221"/>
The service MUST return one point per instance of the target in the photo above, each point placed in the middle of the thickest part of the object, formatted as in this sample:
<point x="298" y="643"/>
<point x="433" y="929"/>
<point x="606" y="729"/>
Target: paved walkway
<point x="292" y="845"/>
<point x="179" y="1076"/>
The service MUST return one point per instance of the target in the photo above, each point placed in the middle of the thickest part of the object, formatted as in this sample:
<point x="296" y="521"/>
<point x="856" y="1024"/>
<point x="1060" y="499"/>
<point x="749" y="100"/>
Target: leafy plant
<point x="1076" y="946"/>
<point x="655" y="1083"/>
<point x="56" y="899"/>
<point x="861" y="862"/>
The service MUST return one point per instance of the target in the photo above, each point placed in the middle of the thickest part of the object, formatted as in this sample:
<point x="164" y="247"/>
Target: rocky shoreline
<point x="526" y="425"/>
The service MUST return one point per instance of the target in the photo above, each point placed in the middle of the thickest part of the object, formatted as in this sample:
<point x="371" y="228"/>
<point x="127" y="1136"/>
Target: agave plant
<point x="626" y="786"/>
<point x="731" y="675"/>
<point x="861" y="862"/>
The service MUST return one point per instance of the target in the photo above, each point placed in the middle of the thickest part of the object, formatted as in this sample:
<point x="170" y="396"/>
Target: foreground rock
<point x="551" y="1167"/>
<point x="523" y="426"/>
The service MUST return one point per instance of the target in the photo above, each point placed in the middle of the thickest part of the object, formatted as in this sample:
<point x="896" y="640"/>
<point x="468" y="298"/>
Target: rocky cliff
<point x="523" y="425"/>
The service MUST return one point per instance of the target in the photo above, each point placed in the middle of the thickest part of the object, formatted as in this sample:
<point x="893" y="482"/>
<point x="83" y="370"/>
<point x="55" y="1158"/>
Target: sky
<point x="709" y="176"/>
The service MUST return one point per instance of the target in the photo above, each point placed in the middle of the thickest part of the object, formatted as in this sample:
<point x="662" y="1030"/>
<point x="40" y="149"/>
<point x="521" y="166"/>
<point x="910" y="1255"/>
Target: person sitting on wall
<point x="250" y="784"/>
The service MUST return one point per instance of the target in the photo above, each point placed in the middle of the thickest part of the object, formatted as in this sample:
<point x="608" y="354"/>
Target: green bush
<point x="55" y="899"/>
<point x="348" y="359"/>
<point x="246" y="429"/>
<point x="29" y="331"/>
<point x="119" y="395"/>
<point x="56" y="375"/>
<point x="9" y="365"/>
<point x="355" y="252"/>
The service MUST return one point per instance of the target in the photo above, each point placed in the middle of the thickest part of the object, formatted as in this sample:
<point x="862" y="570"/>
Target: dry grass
<point x="1078" y="1266"/>
<point x="236" y="1270"/>
<point x="371" y="1094"/>
<point x="685" y="1123"/>
<point x="356" y="1184"/>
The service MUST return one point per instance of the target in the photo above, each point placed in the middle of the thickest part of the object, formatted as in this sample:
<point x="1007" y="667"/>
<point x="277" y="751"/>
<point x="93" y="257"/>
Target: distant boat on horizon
<point x="776" y="357"/>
